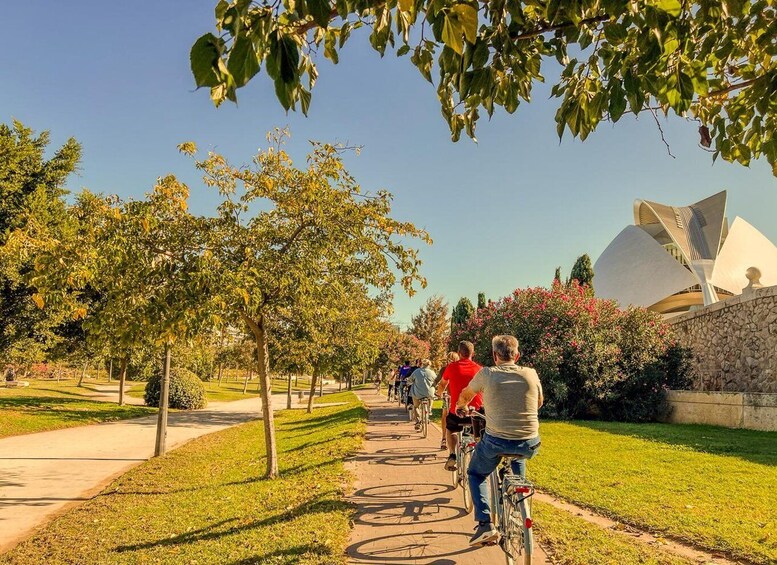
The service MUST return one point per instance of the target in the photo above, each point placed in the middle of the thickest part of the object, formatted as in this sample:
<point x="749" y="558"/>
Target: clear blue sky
<point x="503" y="213"/>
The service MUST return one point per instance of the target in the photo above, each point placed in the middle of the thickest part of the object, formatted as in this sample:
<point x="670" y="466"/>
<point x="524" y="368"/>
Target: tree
<point x="557" y="276"/>
<point x="31" y="198"/>
<point x="481" y="300"/>
<point x="145" y="258"/>
<point x="582" y="271"/>
<point x="398" y="347"/>
<point x="709" y="61"/>
<point x="283" y="233"/>
<point x="461" y="312"/>
<point x="432" y="325"/>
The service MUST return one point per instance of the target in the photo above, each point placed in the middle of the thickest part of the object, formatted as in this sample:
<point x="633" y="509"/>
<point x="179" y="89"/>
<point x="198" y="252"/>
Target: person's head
<point x="407" y="362"/>
<point x="425" y="363"/>
<point x="505" y="349"/>
<point x="418" y="362"/>
<point x="466" y="349"/>
<point x="452" y="357"/>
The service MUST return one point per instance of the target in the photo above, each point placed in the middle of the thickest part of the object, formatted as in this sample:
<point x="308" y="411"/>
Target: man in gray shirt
<point x="512" y="396"/>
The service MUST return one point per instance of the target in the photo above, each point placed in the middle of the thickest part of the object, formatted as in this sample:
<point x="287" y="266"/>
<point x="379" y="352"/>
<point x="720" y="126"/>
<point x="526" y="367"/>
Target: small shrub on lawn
<point x="187" y="392"/>
<point x="594" y="360"/>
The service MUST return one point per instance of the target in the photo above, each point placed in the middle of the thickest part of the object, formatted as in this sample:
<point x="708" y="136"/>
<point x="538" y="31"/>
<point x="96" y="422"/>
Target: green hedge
<point x="186" y="390"/>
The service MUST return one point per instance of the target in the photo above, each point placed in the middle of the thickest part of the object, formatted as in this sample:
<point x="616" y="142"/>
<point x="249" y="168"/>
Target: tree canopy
<point x="583" y="271"/>
<point x="432" y="324"/>
<point x="707" y="60"/>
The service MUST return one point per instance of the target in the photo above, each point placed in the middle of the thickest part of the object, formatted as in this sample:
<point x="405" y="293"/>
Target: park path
<point x="43" y="474"/>
<point x="407" y="511"/>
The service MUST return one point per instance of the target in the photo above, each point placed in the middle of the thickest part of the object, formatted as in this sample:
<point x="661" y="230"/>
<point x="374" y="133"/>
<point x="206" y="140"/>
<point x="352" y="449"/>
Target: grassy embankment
<point x="50" y="405"/>
<point x="206" y="502"/>
<point x="707" y="486"/>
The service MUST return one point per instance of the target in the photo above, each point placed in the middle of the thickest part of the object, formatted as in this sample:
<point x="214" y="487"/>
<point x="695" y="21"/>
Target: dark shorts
<point x="455" y="423"/>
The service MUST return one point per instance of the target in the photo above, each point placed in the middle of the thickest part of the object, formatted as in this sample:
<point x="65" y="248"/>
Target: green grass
<point x="207" y="503"/>
<point x="711" y="487"/>
<point x="48" y="405"/>
<point x="570" y="540"/>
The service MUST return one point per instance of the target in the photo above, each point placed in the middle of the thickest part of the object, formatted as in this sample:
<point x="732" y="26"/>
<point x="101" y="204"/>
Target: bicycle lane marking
<point x="407" y="509"/>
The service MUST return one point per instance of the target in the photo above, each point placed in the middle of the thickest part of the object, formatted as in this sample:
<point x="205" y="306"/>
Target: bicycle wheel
<point x="424" y="418"/>
<point x="518" y="540"/>
<point x="466" y="455"/>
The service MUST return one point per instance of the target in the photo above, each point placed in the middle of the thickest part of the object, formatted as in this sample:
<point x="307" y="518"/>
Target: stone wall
<point x="734" y="343"/>
<point x="754" y="411"/>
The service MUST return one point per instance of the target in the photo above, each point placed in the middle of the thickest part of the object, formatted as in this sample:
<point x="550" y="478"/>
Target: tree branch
<point x="733" y="87"/>
<point x="555" y="27"/>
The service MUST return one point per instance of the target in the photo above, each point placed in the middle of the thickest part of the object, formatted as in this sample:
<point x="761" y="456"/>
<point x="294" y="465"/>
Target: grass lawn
<point x="206" y="502"/>
<point x="712" y="487"/>
<point x="48" y="405"/>
<point x="570" y="540"/>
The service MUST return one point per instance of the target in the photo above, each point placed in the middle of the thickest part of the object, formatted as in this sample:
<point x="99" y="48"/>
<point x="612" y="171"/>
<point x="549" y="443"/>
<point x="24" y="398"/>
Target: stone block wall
<point x="734" y="343"/>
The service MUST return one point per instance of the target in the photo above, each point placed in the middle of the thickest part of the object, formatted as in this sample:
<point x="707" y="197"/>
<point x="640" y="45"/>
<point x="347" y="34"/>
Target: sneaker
<point x="443" y="445"/>
<point x="417" y="426"/>
<point x="450" y="464"/>
<point x="485" y="534"/>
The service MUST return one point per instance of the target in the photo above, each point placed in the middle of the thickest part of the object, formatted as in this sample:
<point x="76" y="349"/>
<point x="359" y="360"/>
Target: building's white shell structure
<point x="677" y="258"/>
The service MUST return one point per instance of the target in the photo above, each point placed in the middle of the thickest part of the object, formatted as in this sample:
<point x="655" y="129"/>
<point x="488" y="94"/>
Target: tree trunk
<point x="288" y="393"/>
<point x="350" y="381"/>
<point x="321" y="387"/>
<point x="340" y="384"/>
<point x="164" y="392"/>
<point x="260" y="334"/>
<point x="249" y="374"/>
<point x="221" y="371"/>
<point x="83" y="374"/>
<point x="313" y="381"/>
<point x="296" y="378"/>
<point x="110" y="370"/>
<point x="122" y="379"/>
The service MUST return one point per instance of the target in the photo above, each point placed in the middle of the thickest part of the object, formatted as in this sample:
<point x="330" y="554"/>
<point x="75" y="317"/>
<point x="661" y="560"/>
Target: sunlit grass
<point x="207" y="503"/>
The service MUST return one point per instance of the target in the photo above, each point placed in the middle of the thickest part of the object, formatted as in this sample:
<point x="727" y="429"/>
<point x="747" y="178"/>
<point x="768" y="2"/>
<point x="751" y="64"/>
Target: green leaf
<point x="204" y="58"/>
<point x="221" y="9"/>
<point x="617" y="103"/>
<point x="671" y="7"/>
<point x="468" y="17"/>
<point x="243" y="63"/>
<point x="330" y="47"/>
<point x="304" y="100"/>
<point x="451" y="34"/>
<point x="321" y="12"/>
<point x="288" y="59"/>
<point x="404" y="50"/>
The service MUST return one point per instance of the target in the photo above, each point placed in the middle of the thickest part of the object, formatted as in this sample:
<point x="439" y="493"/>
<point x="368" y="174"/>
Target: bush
<point x="186" y="390"/>
<point x="594" y="360"/>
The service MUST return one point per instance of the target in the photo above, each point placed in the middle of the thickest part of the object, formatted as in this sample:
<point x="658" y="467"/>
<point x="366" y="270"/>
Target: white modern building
<point x="675" y="259"/>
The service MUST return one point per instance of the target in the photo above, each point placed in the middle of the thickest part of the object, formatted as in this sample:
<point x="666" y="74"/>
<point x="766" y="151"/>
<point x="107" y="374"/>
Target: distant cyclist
<point x="452" y="357"/>
<point x="402" y="373"/>
<point x="512" y="396"/>
<point x="456" y="378"/>
<point x="421" y="383"/>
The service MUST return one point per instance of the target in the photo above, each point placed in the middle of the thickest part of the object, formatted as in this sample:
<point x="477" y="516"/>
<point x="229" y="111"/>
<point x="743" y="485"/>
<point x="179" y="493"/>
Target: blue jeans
<point x="485" y="459"/>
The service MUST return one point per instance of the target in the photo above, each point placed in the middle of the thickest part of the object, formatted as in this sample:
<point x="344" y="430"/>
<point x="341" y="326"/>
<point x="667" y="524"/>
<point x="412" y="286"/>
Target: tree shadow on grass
<point x="749" y="445"/>
<point x="224" y="528"/>
<point x="346" y="417"/>
<point x="289" y="555"/>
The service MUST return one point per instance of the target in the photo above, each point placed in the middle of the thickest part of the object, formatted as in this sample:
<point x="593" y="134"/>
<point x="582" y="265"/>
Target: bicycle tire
<point x="518" y="540"/>
<point x="424" y="418"/>
<point x="465" y="458"/>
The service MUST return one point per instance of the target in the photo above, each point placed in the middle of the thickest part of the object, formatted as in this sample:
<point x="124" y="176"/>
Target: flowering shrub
<point x="594" y="360"/>
<point x="399" y="347"/>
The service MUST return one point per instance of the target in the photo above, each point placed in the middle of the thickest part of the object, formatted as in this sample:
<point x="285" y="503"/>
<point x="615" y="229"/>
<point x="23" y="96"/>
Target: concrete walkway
<point x="43" y="474"/>
<point x="408" y="512"/>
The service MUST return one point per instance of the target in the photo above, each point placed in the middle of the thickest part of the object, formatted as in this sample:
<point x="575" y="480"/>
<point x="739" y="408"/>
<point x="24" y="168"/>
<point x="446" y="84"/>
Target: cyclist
<point x="452" y="357"/>
<point x="421" y="382"/>
<point x="512" y="396"/>
<point x="402" y="373"/>
<point x="393" y="375"/>
<point x="456" y="378"/>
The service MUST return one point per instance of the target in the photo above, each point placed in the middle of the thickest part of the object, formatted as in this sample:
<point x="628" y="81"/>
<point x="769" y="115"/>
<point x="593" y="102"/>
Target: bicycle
<point x="464" y="448"/>
<point x="511" y="497"/>
<point x="424" y="408"/>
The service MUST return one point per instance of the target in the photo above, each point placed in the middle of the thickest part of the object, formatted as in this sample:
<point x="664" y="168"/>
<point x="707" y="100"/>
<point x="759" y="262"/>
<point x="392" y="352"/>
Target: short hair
<point x="426" y="363"/>
<point x="466" y="349"/>
<point x="505" y="347"/>
<point x="407" y="361"/>
<point x="452" y="357"/>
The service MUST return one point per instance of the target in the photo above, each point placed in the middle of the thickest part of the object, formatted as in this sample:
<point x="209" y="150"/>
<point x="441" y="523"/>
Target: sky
<point x="503" y="212"/>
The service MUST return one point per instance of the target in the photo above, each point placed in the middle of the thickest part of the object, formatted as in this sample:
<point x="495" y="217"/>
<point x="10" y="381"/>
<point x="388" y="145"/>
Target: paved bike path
<point x="407" y="509"/>
<point x="43" y="474"/>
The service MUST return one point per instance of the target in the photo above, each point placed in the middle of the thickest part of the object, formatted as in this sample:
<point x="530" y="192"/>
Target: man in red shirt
<point x="456" y="377"/>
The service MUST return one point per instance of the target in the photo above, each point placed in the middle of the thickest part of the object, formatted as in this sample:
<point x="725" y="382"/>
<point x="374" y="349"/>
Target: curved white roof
<point x="636" y="270"/>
